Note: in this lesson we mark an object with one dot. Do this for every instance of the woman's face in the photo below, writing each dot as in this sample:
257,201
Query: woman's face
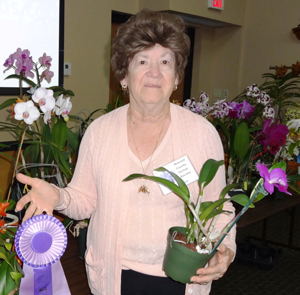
151,75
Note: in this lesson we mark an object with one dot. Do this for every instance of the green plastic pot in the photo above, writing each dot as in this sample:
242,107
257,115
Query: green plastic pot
181,263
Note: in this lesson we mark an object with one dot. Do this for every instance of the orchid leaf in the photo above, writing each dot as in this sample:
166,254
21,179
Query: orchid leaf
72,140
29,82
281,165
226,189
224,128
241,199
211,207
167,183
59,133
7,103
204,205
208,171
179,181
217,212
241,140
259,197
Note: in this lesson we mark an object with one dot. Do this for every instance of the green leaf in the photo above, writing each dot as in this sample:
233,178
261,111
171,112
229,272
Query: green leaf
59,133
72,139
179,181
11,205
16,276
67,221
169,184
217,212
29,82
226,189
8,246
6,259
281,165
7,103
224,128
212,207
241,140
48,155
241,199
291,148
208,171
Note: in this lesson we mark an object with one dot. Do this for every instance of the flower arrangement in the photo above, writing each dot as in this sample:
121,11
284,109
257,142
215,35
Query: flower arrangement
290,151
39,121
248,123
41,116
202,216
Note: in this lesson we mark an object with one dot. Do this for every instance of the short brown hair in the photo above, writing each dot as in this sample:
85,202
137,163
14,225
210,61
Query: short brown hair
143,31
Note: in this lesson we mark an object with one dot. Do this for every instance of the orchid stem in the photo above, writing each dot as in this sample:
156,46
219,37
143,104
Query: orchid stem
15,165
235,221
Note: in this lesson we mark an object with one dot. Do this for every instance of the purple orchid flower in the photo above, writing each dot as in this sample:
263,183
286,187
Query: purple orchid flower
24,63
9,62
276,177
273,136
246,110
233,112
45,60
47,75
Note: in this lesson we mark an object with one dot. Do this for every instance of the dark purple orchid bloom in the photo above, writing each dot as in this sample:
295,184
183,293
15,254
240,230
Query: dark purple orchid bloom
233,112
273,136
241,110
276,177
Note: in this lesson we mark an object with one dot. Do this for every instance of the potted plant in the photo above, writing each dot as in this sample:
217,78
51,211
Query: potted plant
202,216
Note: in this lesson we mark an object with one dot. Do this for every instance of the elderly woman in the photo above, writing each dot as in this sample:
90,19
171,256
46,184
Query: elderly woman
129,220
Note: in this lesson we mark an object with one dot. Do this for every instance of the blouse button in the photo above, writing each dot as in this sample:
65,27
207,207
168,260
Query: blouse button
190,291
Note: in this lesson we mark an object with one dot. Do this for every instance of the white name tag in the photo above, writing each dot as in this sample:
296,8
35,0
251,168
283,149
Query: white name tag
183,168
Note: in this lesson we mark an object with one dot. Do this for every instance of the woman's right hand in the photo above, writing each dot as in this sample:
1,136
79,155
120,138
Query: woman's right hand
43,197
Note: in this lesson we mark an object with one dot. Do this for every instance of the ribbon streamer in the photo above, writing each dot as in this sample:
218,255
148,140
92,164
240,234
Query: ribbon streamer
40,242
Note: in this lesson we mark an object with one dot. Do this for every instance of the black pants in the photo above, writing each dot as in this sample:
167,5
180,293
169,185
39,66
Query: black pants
135,283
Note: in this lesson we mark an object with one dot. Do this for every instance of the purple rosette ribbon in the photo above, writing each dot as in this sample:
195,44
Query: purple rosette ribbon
40,242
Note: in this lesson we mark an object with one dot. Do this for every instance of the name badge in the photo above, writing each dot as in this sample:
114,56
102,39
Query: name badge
183,168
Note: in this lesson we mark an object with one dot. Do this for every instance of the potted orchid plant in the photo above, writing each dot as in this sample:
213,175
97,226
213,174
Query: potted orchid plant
181,263
39,117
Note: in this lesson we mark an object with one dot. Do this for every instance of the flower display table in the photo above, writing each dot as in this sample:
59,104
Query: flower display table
267,208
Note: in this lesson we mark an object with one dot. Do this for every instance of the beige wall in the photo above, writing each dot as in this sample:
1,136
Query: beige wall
231,57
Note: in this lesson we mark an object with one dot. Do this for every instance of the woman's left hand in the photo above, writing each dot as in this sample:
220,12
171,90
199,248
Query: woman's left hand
217,266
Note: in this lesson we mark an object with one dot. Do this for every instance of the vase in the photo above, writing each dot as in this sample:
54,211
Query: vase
181,263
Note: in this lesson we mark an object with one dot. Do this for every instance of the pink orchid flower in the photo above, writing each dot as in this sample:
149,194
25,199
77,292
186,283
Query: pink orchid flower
276,177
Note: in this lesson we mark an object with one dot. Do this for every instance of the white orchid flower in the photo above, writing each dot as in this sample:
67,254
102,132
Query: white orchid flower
26,111
58,104
293,124
44,98
62,106
47,117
